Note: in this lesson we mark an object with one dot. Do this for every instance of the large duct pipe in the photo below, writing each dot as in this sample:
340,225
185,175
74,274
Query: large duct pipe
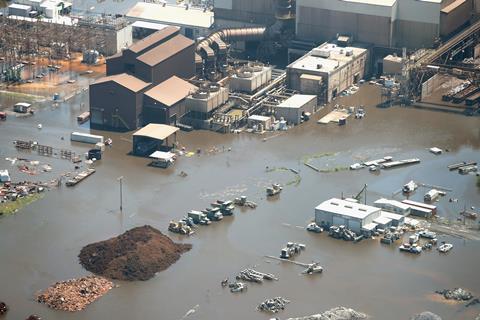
233,34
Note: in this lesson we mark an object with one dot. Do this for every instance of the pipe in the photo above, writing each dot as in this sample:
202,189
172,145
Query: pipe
233,34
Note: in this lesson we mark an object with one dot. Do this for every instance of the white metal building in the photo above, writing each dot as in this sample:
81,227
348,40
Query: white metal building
393,206
327,70
294,107
338,212
193,22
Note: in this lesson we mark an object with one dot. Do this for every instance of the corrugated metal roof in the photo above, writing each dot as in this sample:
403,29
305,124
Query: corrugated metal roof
382,220
452,6
394,203
346,208
149,25
176,15
165,50
171,91
125,80
156,131
154,38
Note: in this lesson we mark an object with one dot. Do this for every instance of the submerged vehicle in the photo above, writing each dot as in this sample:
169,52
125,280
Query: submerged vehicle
313,268
274,190
313,227
427,234
412,248
291,250
409,187
444,248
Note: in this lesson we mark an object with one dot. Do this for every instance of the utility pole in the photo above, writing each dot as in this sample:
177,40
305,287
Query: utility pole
120,179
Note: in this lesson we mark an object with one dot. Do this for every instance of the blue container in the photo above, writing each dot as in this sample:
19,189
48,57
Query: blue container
56,96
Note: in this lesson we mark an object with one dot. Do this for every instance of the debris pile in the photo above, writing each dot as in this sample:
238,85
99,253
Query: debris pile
136,254
473,302
456,294
338,313
273,305
426,315
3,308
34,317
342,232
255,276
76,294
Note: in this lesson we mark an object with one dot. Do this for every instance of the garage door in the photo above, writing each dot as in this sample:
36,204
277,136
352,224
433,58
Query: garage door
354,225
338,221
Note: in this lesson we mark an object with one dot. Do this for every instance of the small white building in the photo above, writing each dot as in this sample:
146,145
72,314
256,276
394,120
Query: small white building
393,206
295,107
256,121
338,212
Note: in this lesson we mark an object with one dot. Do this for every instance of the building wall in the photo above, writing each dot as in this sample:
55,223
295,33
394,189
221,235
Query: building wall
413,34
109,99
181,65
452,21
156,112
250,11
115,66
317,24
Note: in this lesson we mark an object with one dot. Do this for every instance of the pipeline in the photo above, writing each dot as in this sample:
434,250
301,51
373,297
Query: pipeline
233,34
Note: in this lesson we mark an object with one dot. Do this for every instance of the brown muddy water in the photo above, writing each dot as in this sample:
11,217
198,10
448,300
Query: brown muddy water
39,245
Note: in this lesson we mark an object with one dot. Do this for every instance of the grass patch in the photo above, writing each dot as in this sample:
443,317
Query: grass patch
20,95
11,207
295,181
335,169
309,158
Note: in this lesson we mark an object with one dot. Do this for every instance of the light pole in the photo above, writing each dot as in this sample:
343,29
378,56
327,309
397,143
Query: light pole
120,179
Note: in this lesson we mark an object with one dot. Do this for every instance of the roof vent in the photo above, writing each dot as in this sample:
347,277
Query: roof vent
362,209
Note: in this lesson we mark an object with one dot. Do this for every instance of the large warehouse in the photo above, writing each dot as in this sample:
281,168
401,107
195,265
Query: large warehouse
327,70
116,102
390,23
244,12
357,217
157,57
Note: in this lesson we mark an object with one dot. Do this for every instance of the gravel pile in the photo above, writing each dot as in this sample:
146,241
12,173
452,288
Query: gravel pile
134,255
273,305
456,294
338,313
76,294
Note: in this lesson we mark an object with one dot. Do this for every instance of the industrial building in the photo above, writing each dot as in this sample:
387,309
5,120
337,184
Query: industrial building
295,108
165,103
193,22
244,12
157,57
359,218
116,102
393,206
389,23
327,70
337,212
202,103
392,65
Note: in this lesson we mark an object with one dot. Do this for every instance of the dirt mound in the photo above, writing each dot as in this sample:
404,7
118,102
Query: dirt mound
136,254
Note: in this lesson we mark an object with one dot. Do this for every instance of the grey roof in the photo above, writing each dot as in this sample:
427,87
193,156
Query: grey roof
165,50
347,208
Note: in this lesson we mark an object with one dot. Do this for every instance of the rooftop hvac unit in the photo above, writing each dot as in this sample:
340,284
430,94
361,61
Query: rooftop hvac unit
321,53
213,87
349,52
319,66
201,94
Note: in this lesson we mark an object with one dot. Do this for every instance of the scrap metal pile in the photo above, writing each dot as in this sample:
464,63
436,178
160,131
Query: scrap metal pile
342,232
76,294
255,276
338,313
456,294
273,305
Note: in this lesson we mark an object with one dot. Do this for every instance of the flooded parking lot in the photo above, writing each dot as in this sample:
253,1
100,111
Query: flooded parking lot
39,245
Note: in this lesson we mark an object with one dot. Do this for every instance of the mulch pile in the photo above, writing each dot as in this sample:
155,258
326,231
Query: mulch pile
75,294
134,255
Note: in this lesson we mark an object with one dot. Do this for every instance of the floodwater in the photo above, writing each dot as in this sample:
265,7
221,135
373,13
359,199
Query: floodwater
39,245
